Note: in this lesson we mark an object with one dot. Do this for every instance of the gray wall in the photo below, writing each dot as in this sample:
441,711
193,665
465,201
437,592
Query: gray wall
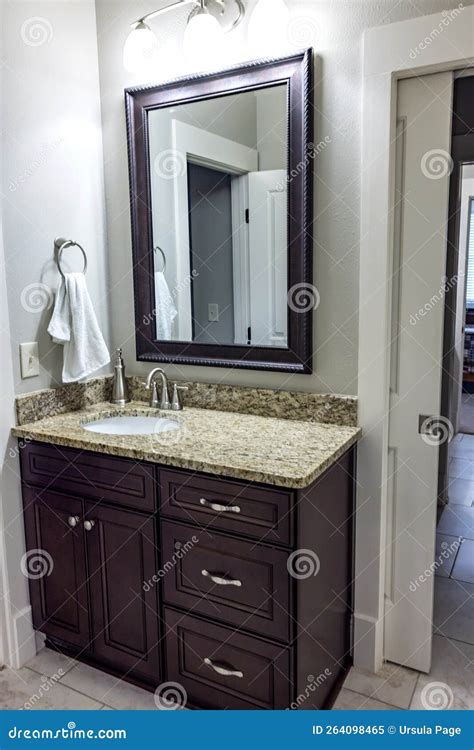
335,30
52,166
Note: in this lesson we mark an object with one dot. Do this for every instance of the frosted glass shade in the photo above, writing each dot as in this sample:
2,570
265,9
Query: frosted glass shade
140,50
203,42
268,28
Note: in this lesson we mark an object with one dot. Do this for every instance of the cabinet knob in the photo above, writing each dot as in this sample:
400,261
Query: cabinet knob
89,525
73,521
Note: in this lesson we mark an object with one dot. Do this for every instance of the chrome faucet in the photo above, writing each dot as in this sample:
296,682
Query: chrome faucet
151,385
176,404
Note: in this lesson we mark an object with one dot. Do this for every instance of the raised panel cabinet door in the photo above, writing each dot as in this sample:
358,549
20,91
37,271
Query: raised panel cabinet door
55,565
122,556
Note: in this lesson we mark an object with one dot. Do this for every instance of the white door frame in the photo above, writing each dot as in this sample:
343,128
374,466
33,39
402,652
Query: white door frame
430,44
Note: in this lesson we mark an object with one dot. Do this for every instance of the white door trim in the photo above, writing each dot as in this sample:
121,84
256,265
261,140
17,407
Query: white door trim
430,44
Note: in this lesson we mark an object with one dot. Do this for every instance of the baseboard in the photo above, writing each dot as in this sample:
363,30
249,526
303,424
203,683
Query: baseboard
368,643
23,641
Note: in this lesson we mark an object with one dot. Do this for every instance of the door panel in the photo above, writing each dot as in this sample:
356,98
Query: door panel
122,554
55,565
424,115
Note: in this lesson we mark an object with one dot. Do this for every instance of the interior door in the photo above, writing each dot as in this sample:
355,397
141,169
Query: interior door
268,257
122,555
55,565
423,170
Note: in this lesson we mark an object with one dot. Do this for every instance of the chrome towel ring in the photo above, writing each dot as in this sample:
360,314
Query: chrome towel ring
61,244
158,248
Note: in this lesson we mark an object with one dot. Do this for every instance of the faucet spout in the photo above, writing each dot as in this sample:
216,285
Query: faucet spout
151,384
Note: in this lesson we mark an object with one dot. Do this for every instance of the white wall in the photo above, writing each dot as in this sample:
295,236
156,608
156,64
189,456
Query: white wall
335,30
53,165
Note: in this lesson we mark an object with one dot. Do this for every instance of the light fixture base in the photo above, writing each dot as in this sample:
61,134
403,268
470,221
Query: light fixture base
229,13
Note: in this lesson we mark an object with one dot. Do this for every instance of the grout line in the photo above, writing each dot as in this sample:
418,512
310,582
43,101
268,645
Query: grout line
59,682
361,708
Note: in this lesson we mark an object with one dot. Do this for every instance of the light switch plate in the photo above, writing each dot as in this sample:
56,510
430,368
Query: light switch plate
29,360
213,312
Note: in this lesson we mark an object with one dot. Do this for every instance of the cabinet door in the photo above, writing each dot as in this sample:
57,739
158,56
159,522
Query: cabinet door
122,555
55,565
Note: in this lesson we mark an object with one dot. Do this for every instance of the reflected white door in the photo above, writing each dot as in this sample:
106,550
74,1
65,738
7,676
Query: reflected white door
423,169
268,257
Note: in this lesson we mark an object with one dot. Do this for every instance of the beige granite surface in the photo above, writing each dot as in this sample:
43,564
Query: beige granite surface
282,452
310,407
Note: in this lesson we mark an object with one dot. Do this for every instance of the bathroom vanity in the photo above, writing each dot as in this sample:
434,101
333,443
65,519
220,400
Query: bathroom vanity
230,577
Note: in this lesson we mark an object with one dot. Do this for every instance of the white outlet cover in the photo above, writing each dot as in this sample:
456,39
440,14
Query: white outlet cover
29,360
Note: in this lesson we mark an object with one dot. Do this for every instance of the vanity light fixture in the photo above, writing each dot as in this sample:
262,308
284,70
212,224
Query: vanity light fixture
207,22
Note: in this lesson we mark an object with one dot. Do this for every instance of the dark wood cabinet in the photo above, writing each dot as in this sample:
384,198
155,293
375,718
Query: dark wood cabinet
240,592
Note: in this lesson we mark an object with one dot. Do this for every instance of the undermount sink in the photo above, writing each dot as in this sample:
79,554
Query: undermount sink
132,425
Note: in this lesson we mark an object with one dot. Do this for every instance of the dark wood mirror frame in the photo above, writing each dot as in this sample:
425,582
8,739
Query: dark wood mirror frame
297,72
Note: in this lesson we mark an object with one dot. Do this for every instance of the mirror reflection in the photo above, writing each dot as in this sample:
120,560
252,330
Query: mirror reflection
218,171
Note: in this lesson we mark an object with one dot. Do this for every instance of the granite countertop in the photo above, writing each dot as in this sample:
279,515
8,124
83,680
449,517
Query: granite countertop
275,451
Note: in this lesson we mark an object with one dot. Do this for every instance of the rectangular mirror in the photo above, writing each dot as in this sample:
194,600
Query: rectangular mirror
220,176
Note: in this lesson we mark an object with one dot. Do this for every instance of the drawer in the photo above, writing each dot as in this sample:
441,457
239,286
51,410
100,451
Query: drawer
242,508
91,475
222,669
236,582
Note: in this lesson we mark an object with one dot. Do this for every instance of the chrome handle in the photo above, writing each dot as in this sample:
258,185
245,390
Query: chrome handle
223,671
73,521
221,581
219,508
89,525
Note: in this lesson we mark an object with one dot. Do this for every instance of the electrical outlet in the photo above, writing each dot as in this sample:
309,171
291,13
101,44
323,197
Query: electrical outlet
29,360
213,312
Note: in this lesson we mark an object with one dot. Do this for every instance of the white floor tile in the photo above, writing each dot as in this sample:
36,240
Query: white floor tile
50,663
463,569
447,549
347,700
393,684
461,468
457,520
454,609
25,689
451,678
109,690
461,492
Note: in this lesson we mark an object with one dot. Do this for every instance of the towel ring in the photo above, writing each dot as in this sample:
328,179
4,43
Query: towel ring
61,245
163,256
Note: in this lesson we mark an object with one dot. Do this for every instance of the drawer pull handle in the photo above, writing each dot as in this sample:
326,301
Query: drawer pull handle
73,521
89,525
219,508
223,671
221,581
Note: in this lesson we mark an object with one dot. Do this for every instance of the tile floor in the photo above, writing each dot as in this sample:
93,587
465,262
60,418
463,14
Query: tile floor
53,681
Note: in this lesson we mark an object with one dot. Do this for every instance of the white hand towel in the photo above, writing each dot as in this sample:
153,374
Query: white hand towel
166,311
74,325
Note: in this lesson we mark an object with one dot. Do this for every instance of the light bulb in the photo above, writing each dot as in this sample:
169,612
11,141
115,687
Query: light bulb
268,28
203,41
141,49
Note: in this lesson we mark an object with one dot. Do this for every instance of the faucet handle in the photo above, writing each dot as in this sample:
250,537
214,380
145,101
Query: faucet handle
177,404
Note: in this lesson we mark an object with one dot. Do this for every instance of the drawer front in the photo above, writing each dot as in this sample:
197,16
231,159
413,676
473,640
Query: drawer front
242,508
237,582
222,669
117,480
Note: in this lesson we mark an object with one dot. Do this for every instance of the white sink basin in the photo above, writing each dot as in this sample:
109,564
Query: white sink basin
132,425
